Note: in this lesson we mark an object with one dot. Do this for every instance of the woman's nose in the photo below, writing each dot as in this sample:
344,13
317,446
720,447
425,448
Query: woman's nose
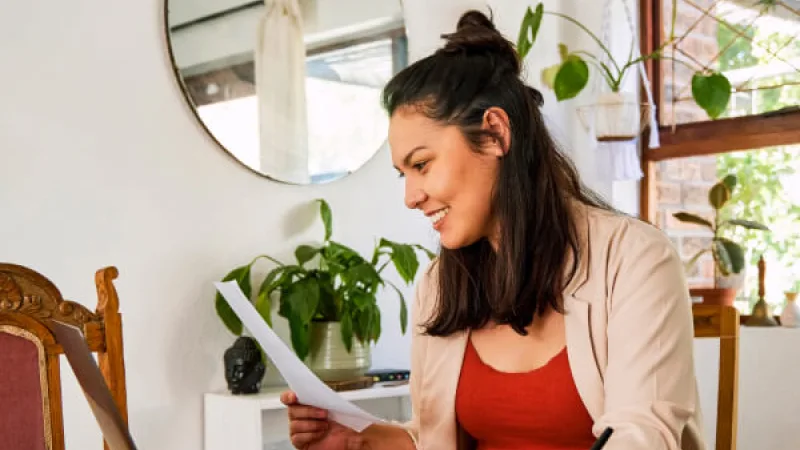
414,197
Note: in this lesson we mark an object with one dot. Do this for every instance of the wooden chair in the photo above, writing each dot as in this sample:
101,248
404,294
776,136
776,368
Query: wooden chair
29,354
722,322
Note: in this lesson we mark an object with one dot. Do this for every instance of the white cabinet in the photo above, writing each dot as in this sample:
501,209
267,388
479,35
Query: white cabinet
259,422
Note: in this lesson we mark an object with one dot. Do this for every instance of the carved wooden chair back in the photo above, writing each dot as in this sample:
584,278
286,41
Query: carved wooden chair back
29,353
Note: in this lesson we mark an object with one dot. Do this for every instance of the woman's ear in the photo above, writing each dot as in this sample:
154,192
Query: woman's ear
496,121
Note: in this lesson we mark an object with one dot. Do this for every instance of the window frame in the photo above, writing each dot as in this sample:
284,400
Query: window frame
774,128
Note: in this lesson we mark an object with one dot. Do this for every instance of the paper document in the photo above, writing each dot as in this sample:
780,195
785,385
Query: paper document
310,390
115,431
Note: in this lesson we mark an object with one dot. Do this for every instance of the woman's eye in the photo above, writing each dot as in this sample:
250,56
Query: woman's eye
420,165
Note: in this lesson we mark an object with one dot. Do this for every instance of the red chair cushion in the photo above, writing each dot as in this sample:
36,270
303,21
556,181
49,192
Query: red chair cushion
21,415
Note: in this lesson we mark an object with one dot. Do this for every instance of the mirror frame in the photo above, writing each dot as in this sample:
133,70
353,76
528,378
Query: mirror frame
392,32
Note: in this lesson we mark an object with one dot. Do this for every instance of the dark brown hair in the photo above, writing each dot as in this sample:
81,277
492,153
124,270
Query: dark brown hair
476,69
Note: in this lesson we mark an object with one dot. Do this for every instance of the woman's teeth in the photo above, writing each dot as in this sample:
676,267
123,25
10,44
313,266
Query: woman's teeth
439,215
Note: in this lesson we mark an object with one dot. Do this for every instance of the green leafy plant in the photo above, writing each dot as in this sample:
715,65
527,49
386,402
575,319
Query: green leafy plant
711,90
729,256
329,283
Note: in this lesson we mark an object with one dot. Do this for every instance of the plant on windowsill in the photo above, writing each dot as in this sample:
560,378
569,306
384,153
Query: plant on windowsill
617,115
729,256
329,297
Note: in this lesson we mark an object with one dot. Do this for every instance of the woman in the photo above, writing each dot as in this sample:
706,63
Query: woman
547,317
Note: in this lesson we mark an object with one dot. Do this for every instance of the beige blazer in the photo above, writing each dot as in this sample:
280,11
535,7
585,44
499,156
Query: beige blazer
629,335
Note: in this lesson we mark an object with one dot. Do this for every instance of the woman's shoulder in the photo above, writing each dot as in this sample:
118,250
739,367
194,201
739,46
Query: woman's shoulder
617,230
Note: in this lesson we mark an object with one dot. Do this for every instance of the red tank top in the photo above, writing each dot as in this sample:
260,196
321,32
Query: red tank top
536,410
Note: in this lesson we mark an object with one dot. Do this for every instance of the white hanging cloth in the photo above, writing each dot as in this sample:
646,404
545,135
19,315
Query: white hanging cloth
619,160
280,74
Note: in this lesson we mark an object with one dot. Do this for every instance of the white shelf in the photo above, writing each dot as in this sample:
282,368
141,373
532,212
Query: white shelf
257,422
269,399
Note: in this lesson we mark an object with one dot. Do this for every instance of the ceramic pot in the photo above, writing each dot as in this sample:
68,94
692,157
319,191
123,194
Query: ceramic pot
715,296
329,359
790,317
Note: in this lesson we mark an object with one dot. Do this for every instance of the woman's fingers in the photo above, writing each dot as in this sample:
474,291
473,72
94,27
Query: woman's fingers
302,412
303,440
288,398
307,426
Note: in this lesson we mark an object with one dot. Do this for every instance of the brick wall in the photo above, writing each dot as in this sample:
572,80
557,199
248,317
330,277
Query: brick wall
701,44
683,184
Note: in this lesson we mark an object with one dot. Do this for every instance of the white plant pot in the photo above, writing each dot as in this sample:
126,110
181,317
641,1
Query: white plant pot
732,281
614,117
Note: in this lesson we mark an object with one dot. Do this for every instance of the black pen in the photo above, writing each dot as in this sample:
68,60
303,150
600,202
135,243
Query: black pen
601,441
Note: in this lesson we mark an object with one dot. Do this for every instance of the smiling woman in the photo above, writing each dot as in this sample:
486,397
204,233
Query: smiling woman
548,317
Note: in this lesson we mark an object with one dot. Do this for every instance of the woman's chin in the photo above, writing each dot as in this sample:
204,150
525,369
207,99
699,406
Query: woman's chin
452,242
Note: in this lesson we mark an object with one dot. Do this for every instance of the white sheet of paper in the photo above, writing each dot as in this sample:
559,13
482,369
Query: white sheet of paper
310,390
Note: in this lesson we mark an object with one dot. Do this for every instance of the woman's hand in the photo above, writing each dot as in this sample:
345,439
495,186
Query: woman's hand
310,429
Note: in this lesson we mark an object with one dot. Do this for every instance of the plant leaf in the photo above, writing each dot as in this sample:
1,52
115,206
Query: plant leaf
730,181
719,195
730,254
229,318
347,331
721,257
692,218
693,260
278,277
749,224
375,324
711,92
405,261
305,253
572,77
529,29
300,334
303,298
403,308
342,254
264,307
327,217
431,255
362,300
549,75
563,52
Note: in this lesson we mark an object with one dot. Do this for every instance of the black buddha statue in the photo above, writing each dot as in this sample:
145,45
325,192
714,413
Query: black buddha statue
244,366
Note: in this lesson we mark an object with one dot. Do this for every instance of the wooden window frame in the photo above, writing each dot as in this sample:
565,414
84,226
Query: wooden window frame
711,137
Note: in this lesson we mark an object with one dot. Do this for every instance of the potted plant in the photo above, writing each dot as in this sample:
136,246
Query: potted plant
329,297
616,116
729,256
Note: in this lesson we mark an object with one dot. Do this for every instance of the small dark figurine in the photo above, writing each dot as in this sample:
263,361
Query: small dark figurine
244,366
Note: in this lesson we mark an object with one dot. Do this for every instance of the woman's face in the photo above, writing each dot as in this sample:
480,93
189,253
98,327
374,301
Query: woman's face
445,178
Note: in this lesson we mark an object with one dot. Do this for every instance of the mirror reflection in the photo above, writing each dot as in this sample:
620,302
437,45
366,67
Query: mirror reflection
290,88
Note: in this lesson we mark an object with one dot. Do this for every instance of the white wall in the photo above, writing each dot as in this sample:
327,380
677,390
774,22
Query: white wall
103,164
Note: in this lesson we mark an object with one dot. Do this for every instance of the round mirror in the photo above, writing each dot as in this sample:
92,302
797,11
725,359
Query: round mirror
290,88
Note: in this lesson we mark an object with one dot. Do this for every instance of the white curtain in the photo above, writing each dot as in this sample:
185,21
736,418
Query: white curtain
280,72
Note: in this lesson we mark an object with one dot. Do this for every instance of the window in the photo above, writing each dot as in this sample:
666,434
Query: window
758,137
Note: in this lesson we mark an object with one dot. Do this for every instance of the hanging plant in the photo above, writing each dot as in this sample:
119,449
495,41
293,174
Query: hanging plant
711,90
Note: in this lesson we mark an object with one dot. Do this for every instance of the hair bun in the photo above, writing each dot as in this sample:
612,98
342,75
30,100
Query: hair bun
476,34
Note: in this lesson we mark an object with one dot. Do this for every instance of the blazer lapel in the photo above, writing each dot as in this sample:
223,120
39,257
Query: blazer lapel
580,352
442,370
